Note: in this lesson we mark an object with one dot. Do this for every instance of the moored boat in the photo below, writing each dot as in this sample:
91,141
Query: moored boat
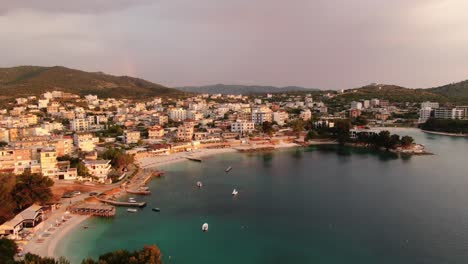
156,209
132,210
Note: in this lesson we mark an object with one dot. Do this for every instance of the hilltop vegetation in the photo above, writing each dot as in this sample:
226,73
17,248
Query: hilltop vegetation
35,80
243,89
392,93
457,92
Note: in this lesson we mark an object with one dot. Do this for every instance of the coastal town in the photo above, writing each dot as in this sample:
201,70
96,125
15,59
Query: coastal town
97,149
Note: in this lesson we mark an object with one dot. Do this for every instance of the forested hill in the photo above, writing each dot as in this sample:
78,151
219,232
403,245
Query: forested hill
34,80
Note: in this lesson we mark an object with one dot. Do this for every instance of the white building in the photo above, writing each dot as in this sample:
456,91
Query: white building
242,127
131,137
427,104
177,114
80,124
356,105
85,141
98,168
448,113
280,117
424,114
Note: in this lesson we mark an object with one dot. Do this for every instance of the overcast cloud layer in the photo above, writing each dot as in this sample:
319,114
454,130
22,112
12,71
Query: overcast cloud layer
314,43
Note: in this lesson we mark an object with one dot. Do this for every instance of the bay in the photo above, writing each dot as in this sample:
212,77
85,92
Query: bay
309,205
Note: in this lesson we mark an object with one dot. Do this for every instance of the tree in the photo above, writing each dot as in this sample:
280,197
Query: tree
297,126
311,135
341,130
147,255
35,259
31,188
82,170
267,128
8,249
7,184
407,141
3,144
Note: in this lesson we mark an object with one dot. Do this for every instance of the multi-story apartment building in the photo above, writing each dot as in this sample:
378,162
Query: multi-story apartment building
261,115
131,137
79,124
356,105
428,104
85,141
243,127
177,114
424,114
98,168
48,161
448,113
155,132
280,117
185,132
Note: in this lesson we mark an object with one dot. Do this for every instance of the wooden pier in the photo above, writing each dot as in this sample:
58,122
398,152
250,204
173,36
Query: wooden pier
194,159
140,192
93,209
127,204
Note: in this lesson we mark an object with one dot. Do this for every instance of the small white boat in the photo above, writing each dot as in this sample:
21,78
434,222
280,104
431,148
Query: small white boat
132,210
234,192
204,227
199,184
228,169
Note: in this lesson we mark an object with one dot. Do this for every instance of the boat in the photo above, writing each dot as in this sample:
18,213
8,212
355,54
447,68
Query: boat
199,184
204,227
156,209
131,200
132,210
228,169
234,192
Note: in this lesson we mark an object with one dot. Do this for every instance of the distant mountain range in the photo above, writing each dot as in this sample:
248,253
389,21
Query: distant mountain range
35,80
243,89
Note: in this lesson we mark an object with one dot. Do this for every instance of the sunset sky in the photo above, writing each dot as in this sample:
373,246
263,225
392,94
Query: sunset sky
327,44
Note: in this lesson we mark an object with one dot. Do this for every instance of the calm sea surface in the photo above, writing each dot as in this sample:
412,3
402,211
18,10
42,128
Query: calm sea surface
316,205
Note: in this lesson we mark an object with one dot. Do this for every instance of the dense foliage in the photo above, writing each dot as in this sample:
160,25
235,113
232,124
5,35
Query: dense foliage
446,125
384,140
19,192
147,255
118,158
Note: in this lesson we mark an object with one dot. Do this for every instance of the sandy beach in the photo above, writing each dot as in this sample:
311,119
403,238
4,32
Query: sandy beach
151,162
45,240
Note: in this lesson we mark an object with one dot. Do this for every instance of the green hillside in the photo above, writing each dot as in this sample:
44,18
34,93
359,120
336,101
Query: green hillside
34,80
392,93
457,92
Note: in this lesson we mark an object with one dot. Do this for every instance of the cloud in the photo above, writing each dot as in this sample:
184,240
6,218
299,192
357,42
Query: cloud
314,43
64,6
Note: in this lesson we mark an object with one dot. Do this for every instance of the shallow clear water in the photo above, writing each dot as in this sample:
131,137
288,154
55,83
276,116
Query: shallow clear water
316,205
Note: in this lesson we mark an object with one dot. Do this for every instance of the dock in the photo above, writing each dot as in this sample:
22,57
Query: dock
194,159
126,204
93,209
138,192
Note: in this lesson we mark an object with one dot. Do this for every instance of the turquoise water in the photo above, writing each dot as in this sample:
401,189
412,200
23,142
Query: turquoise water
316,205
